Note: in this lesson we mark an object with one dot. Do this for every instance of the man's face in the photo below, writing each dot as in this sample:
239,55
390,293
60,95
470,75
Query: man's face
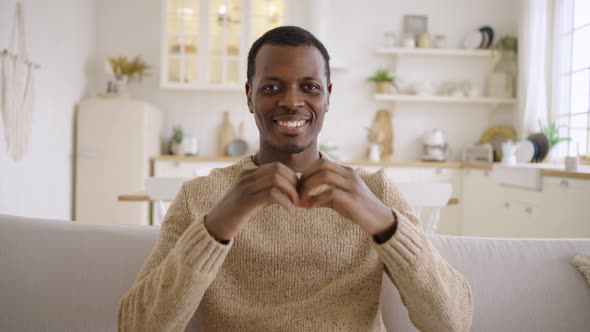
289,96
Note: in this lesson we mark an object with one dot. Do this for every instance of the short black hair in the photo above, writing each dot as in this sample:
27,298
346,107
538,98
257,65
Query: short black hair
286,36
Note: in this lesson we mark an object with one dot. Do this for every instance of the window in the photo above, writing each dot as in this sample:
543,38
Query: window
572,84
205,41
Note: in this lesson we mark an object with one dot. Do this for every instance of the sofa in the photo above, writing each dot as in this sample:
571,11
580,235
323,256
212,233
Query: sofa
69,276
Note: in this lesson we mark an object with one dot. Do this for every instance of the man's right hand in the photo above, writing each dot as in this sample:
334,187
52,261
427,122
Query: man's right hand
254,190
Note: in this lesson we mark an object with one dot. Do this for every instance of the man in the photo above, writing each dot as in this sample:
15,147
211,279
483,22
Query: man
286,239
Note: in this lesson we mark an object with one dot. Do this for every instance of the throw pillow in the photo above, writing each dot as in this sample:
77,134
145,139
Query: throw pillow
582,261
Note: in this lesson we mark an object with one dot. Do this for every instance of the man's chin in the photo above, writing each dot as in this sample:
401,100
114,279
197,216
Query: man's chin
290,148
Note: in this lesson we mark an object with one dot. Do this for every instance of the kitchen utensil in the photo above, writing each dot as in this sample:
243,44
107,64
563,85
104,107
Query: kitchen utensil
489,36
572,163
497,135
238,147
543,144
508,153
525,151
473,40
480,153
435,145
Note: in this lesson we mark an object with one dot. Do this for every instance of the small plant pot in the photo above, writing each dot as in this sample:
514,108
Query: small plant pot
177,149
383,87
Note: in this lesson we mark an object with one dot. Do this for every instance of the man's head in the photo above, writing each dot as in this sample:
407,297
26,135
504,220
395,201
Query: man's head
288,88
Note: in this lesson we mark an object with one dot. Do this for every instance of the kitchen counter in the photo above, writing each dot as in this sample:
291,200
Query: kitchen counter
557,170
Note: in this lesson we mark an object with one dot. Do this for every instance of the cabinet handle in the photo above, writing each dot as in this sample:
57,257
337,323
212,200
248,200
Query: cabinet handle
564,184
529,210
507,205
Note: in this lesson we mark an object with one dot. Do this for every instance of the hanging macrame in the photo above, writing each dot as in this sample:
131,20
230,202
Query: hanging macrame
16,89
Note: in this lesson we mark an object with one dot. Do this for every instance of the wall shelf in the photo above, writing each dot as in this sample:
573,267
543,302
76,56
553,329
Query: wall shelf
434,51
444,99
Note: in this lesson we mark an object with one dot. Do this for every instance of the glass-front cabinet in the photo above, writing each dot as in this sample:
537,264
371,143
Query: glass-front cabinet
205,42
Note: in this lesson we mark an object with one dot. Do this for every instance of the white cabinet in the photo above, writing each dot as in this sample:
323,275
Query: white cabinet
493,210
567,209
205,42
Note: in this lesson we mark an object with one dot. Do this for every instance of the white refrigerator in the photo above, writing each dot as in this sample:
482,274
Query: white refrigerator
115,141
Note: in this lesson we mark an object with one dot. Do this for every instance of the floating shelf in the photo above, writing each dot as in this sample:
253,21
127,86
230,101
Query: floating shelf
444,99
434,51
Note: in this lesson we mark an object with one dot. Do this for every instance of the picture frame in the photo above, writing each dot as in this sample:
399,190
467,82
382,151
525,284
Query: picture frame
415,24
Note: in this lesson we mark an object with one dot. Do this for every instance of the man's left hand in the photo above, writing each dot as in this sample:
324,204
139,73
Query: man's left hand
348,195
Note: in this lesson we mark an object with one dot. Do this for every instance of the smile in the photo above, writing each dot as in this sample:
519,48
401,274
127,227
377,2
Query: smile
291,124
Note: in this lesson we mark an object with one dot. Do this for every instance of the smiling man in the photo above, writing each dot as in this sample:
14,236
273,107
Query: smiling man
286,239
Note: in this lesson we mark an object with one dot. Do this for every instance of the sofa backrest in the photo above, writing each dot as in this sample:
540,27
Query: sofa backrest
69,276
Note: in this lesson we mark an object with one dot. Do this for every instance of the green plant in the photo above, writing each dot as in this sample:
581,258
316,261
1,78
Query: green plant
177,135
552,133
383,75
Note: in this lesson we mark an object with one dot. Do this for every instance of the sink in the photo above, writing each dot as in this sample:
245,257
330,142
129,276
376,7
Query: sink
525,176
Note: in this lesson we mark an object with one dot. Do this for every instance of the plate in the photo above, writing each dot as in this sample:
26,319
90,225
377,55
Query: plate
525,151
489,36
237,148
473,40
496,136
543,144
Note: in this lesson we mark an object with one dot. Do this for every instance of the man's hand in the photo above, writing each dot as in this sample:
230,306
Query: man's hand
254,190
348,195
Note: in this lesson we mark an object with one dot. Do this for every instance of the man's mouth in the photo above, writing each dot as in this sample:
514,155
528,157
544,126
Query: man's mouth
291,127
291,124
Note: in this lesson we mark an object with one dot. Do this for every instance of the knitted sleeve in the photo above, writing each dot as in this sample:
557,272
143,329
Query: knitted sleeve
173,279
438,298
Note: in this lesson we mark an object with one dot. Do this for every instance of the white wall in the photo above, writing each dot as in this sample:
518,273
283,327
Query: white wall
61,36
351,30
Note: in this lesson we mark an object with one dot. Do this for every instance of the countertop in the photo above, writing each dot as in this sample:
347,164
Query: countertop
557,170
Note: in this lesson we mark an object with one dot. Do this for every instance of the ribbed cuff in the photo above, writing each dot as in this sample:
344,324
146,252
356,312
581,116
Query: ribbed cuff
406,244
200,250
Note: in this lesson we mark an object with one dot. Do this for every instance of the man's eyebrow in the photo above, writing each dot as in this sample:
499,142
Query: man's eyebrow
271,78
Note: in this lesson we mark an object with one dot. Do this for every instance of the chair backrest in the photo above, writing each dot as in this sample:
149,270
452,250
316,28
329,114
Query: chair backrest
163,188
427,195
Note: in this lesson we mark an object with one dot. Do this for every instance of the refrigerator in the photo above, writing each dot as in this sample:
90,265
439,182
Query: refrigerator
115,141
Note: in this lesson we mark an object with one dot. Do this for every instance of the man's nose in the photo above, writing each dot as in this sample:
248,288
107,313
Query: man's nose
291,99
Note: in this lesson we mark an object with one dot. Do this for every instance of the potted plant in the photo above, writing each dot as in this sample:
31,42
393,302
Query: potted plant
125,71
384,80
552,133
176,143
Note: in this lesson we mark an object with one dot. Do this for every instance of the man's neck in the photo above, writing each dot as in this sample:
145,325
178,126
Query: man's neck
297,162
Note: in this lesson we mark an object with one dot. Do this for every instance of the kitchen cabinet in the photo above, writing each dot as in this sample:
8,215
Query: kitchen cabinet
567,211
205,42
494,210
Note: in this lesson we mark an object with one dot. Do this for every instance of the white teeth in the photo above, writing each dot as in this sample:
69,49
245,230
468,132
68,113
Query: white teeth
291,124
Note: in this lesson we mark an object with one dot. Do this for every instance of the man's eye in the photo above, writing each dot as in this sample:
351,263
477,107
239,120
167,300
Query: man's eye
312,87
270,88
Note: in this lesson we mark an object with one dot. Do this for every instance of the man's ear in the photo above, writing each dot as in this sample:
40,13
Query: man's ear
249,96
329,94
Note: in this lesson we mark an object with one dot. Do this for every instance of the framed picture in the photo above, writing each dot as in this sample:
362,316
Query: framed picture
415,24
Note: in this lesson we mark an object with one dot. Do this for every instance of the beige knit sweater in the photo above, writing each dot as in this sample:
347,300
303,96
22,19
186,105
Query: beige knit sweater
308,271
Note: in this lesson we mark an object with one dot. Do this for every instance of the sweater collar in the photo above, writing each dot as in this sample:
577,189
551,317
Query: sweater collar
248,161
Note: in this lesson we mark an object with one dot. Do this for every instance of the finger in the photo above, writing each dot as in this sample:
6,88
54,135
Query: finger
280,168
274,196
324,177
277,181
329,198
323,164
